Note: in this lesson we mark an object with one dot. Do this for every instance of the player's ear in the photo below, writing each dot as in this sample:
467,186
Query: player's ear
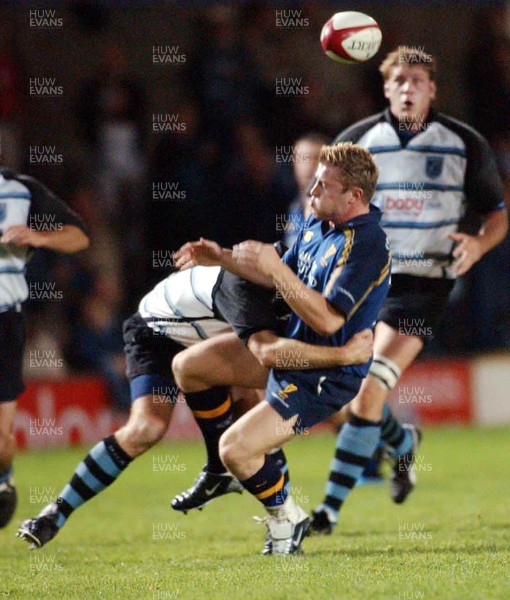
386,89
356,194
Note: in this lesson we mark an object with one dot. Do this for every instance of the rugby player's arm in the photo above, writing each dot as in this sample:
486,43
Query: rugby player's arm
208,253
228,263
493,229
282,353
470,249
68,240
309,305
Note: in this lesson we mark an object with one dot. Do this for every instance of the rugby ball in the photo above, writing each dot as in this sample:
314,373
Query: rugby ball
351,37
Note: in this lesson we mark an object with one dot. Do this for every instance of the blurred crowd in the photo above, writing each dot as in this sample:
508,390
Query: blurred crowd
216,163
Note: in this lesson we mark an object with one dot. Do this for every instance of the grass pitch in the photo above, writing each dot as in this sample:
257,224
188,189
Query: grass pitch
451,539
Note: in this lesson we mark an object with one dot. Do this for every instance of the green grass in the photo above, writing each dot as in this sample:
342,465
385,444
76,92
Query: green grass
450,540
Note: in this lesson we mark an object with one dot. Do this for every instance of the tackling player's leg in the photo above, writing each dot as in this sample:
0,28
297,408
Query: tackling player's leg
220,360
148,421
396,352
148,359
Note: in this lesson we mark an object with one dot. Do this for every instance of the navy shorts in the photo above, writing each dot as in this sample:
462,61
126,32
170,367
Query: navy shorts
12,344
310,395
149,358
414,304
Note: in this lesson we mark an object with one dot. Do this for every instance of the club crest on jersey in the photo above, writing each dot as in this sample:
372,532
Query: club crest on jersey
329,253
434,166
3,211
284,394
308,236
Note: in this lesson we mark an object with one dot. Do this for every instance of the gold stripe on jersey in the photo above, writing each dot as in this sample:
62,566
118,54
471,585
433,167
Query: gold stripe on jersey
349,242
378,281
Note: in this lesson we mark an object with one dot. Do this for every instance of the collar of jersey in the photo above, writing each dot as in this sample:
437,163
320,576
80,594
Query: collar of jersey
374,216
393,121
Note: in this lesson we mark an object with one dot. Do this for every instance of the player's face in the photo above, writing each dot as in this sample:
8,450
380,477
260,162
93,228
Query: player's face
306,159
330,200
410,92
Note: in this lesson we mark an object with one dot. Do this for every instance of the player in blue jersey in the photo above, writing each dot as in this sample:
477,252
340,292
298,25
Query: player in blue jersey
442,203
335,279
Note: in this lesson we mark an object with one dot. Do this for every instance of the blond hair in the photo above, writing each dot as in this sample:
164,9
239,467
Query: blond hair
408,55
355,165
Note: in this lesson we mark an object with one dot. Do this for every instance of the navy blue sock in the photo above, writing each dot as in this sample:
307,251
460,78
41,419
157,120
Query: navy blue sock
281,461
356,444
212,410
268,484
100,468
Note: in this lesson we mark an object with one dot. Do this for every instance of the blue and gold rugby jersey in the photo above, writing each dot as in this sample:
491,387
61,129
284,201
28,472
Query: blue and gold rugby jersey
350,266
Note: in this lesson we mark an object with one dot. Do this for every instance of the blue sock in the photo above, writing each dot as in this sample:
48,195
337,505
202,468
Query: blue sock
398,438
267,484
100,468
356,443
281,461
6,475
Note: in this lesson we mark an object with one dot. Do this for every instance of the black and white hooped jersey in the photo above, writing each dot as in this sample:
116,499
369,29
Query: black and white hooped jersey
25,201
181,306
442,181
201,302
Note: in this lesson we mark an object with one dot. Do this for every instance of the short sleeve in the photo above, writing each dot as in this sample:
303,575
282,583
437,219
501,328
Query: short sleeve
46,207
483,185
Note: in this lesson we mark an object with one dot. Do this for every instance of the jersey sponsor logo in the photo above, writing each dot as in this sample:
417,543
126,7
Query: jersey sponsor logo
311,282
305,261
308,236
434,166
409,205
3,211
284,394
329,253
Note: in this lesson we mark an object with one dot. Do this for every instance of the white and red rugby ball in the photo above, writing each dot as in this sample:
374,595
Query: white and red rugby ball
351,37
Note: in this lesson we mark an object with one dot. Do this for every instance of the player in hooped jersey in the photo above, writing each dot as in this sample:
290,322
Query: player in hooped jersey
31,217
335,279
203,303
437,180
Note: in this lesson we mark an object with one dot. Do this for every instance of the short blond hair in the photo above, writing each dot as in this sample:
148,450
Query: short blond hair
408,55
355,165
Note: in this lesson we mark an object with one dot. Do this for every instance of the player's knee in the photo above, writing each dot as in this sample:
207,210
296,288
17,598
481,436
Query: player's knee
182,366
145,432
232,452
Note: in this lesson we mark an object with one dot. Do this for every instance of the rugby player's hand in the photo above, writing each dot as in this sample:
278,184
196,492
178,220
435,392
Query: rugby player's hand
21,235
468,251
256,256
360,347
204,252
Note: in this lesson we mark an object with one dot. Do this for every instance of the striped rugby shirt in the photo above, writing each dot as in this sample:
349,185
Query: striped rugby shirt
181,306
439,182
202,302
25,201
